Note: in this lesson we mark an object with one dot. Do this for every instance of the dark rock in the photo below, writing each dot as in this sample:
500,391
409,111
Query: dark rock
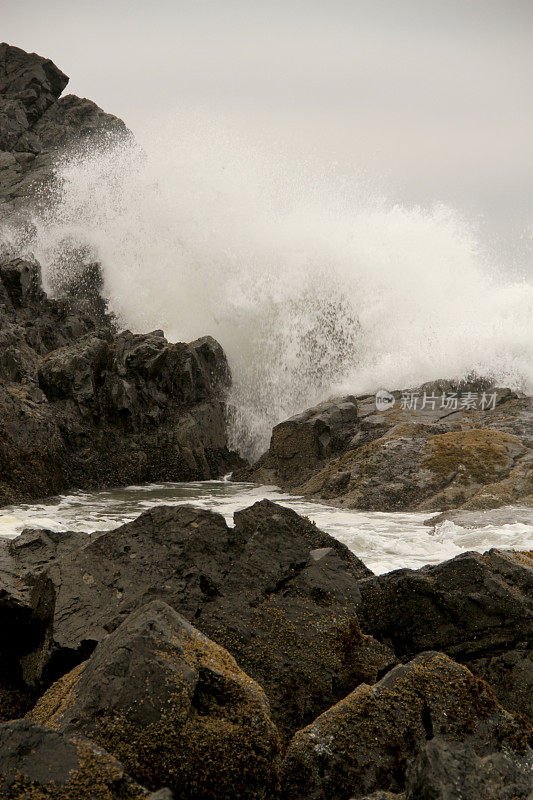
36,126
367,741
29,85
173,707
447,770
25,606
353,454
40,764
510,674
275,591
85,407
476,608
22,281
467,607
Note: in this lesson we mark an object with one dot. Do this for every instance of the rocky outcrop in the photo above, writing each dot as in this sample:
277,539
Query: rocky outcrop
288,626
431,709
83,406
472,452
476,608
173,707
276,592
36,123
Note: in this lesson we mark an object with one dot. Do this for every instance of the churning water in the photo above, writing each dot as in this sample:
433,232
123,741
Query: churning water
384,541
313,283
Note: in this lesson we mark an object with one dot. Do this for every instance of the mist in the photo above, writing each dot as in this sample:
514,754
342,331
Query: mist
428,101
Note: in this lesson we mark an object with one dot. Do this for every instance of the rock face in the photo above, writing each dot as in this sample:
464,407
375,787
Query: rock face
476,608
350,453
35,123
173,707
83,406
368,741
276,592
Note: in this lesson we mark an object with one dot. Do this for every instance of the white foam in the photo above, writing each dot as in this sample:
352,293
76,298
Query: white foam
384,541
312,282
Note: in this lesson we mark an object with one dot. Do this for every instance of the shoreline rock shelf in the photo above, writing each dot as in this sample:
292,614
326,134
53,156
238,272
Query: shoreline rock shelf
348,453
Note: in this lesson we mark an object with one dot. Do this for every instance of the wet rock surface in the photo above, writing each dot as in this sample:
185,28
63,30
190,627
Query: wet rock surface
476,453
37,124
275,591
83,406
295,649
477,608
40,764
173,707
368,741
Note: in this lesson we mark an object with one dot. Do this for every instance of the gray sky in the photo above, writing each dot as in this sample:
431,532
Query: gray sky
433,97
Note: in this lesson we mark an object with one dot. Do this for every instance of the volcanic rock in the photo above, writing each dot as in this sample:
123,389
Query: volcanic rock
475,454
368,741
173,707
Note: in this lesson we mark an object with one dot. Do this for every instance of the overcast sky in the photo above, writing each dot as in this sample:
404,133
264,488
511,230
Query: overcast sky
431,96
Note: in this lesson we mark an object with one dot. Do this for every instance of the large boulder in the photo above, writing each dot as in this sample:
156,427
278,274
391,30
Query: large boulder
173,707
476,608
85,407
40,764
445,770
369,740
436,447
275,591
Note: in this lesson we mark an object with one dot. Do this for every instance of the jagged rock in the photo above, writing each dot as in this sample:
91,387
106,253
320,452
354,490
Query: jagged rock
404,458
172,706
367,741
275,591
36,125
29,85
24,606
82,406
477,608
510,674
40,764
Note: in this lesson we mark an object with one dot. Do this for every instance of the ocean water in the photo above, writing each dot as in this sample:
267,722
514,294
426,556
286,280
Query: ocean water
382,540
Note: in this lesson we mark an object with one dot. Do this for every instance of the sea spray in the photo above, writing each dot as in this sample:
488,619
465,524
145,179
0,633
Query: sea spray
313,284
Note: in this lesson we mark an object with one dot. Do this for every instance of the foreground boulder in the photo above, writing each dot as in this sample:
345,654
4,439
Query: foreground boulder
173,707
445,769
476,608
369,740
437,447
275,591
40,764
